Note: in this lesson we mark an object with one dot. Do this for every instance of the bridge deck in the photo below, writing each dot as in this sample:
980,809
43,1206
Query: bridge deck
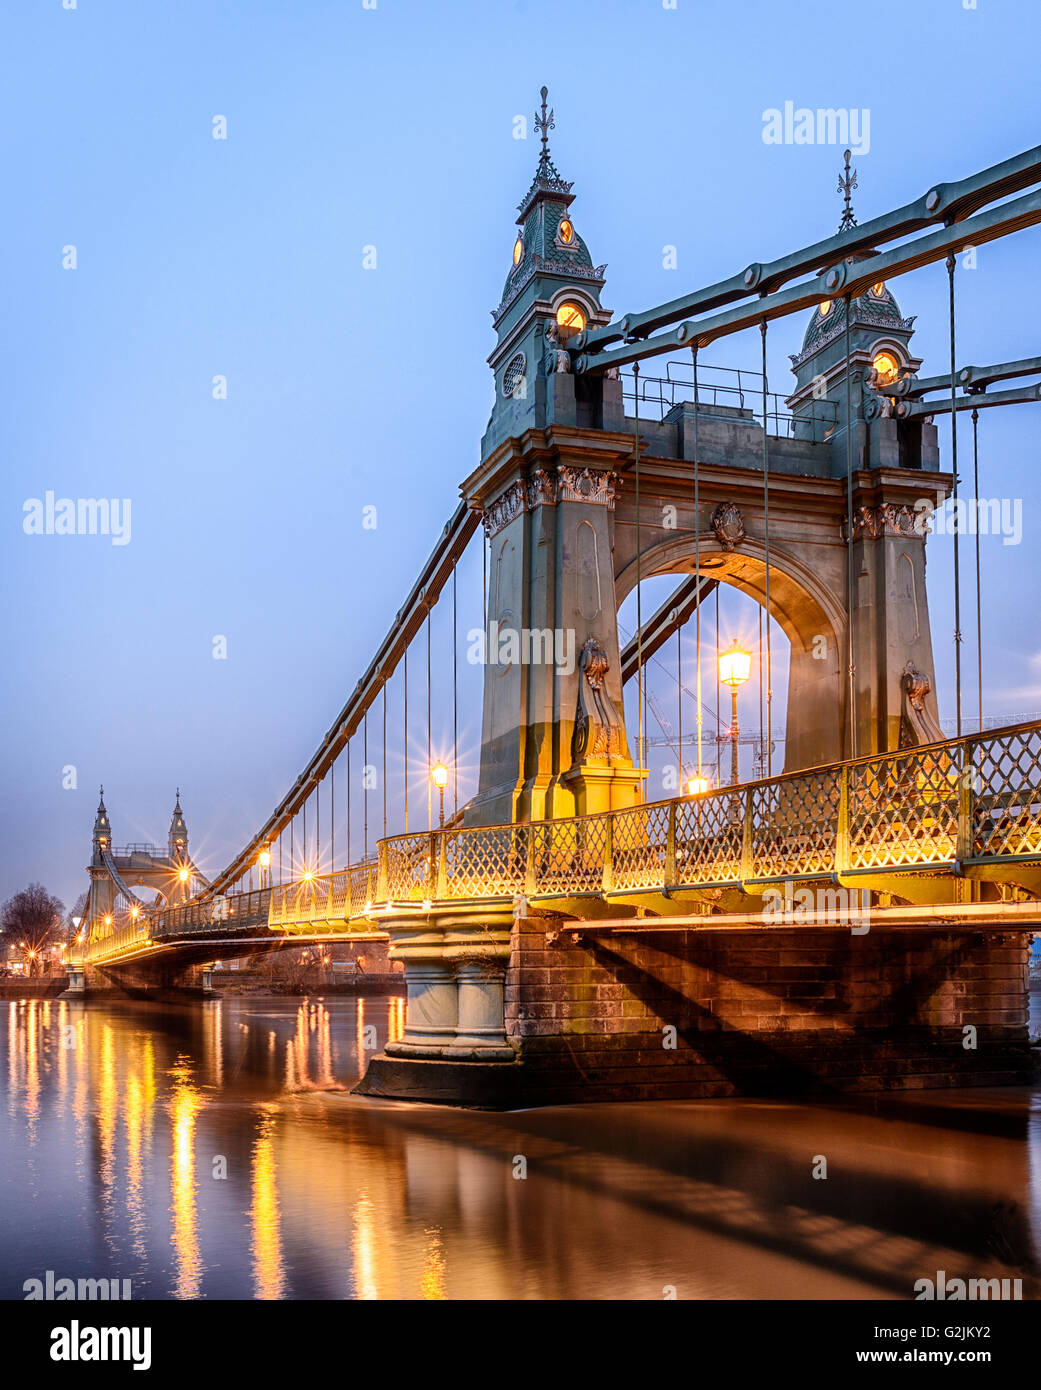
924,824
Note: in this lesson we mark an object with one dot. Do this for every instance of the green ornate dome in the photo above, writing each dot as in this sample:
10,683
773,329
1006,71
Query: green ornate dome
877,307
543,243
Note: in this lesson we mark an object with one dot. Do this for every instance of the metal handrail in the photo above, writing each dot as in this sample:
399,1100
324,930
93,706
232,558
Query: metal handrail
930,807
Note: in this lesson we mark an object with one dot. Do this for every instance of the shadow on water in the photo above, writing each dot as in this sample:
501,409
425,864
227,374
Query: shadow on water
211,1151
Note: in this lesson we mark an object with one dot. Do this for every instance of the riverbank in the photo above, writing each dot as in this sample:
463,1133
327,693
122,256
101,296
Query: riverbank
47,988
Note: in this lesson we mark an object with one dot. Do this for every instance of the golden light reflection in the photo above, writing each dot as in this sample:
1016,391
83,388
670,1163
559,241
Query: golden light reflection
363,1246
134,1115
362,1055
396,1019
12,1056
32,1073
432,1280
185,1105
268,1270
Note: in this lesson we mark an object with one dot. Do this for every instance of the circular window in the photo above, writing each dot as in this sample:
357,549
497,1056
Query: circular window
886,365
567,232
879,290
518,251
570,320
513,376
824,308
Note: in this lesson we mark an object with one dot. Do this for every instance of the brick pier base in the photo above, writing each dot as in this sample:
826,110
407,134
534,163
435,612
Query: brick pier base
672,1014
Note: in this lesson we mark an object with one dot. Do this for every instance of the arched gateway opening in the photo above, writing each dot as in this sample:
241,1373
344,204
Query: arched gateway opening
812,709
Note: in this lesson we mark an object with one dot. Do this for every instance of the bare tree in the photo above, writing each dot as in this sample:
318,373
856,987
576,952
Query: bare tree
79,909
30,921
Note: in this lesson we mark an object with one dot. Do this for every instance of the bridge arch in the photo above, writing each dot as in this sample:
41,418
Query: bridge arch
807,611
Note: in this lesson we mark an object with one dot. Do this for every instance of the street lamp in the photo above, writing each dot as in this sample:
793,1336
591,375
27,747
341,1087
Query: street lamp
696,786
735,665
440,776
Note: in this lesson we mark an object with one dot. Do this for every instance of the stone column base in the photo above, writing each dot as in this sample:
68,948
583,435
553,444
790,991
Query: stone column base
479,1084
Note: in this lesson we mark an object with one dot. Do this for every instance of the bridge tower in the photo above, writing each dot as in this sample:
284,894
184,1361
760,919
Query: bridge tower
177,840
557,490
101,895
554,740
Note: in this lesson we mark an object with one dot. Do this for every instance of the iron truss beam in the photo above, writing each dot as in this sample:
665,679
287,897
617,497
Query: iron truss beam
1021,395
974,379
842,279
673,613
945,203
409,620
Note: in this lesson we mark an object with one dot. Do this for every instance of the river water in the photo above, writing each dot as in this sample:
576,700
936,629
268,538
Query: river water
213,1151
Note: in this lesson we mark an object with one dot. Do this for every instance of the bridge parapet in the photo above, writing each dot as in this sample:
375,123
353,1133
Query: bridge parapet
970,807
923,823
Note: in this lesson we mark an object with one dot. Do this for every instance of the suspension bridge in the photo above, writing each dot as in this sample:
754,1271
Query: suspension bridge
561,920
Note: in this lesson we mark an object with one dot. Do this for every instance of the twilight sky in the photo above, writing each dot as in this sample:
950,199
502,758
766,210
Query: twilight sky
393,127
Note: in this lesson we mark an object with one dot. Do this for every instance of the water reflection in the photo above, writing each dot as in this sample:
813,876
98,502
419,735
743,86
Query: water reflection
214,1151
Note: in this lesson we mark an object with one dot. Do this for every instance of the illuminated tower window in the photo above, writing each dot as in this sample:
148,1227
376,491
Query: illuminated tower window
518,251
824,308
567,232
887,367
879,289
570,320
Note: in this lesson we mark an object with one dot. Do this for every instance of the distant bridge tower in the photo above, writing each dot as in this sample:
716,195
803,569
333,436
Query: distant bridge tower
177,840
115,873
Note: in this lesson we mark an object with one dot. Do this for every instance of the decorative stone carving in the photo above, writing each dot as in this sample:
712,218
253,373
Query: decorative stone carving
876,403
545,488
918,724
501,512
598,732
916,685
539,488
887,519
560,358
728,525
586,485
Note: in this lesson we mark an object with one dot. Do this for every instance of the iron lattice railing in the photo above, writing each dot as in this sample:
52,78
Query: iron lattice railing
970,802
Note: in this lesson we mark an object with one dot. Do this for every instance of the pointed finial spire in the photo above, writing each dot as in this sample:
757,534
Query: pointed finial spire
847,183
545,124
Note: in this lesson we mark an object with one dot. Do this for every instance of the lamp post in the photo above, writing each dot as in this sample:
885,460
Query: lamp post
264,864
440,778
735,665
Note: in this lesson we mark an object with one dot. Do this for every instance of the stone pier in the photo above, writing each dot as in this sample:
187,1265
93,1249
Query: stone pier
539,1009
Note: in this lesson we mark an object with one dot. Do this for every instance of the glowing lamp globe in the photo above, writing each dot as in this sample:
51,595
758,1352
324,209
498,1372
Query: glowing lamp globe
735,666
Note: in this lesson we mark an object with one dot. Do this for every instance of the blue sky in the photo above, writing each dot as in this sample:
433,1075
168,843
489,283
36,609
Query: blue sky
391,127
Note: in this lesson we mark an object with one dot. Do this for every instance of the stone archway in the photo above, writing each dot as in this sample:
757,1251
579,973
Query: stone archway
809,614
